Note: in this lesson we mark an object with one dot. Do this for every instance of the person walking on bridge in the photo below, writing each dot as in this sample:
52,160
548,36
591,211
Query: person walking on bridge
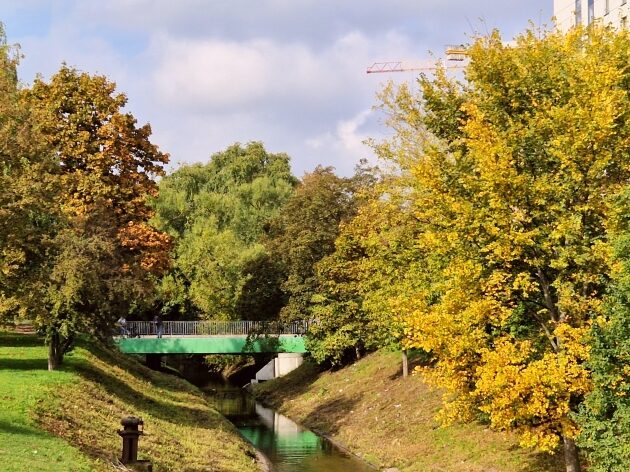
159,326
122,325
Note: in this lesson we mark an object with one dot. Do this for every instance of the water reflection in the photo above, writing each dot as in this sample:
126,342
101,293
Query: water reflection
290,447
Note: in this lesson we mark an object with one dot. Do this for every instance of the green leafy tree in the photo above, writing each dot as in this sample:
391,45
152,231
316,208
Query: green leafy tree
364,285
605,415
218,214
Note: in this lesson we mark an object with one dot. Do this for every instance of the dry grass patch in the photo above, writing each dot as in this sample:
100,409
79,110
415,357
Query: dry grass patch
390,421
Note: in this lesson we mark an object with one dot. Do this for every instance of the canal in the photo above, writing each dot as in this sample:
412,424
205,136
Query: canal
288,446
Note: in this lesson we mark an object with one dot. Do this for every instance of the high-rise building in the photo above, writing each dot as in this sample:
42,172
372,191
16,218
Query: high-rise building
569,13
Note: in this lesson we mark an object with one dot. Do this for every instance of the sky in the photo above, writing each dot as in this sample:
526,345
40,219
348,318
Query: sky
289,73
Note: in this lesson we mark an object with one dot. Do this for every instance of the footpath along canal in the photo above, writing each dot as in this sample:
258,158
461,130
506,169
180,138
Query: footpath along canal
288,446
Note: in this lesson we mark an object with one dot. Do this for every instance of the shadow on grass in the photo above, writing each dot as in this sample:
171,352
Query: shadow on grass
330,416
20,340
23,364
135,399
13,429
543,461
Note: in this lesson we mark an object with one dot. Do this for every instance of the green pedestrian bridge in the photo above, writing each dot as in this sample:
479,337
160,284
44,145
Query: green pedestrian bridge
213,337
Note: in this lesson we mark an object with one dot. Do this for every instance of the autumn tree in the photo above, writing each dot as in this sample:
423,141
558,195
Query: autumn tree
304,232
102,255
514,171
217,213
360,283
13,207
28,186
357,282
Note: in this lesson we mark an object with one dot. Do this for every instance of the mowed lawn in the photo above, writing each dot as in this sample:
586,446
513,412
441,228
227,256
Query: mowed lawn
83,403
25,382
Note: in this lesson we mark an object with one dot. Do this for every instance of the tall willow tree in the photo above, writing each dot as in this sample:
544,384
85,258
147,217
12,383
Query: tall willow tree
513,174
217,213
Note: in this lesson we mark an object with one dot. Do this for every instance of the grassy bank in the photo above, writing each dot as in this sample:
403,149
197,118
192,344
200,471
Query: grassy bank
390,421
67,420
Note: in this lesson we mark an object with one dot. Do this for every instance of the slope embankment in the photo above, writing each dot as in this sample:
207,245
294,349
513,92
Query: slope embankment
67,420
390,421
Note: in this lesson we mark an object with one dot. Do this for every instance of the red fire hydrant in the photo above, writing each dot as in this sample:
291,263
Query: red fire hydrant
132,429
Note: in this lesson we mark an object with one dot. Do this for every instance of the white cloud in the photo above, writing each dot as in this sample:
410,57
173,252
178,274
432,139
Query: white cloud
44,54
214,75
311,103
349,136
348,139
208,73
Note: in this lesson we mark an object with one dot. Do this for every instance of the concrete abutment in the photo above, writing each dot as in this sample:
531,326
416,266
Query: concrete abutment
281,365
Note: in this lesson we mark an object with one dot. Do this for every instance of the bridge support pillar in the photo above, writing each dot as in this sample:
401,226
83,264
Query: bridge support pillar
286,362
281,365
153,361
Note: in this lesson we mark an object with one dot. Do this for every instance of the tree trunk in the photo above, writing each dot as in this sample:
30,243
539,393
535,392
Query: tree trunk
405,363
571,457
55,354
57,347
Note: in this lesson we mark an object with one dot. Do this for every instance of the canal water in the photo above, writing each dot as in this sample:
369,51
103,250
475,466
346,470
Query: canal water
289,446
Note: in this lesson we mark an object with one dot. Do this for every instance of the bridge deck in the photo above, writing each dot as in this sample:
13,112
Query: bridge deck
212,337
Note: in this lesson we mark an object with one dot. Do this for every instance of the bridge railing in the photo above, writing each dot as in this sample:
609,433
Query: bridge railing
216,328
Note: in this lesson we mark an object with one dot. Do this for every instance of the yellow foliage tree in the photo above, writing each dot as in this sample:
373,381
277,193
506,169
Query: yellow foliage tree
511,175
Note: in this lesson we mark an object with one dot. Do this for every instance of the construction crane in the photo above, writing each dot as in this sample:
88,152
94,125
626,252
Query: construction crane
455,54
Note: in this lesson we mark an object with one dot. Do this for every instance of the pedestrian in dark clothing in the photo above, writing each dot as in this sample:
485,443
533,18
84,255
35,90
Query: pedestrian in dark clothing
159,326
122,325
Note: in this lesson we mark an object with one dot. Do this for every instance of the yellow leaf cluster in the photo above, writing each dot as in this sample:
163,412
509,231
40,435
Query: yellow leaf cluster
520,390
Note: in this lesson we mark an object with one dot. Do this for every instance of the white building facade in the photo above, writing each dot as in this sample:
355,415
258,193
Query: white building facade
570,13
